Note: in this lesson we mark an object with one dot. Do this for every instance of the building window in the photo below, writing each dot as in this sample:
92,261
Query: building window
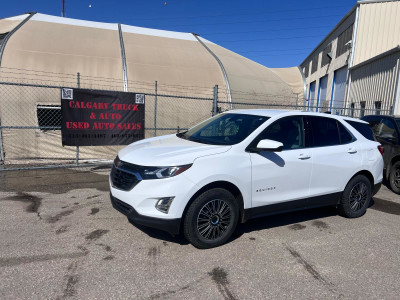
306,68
314,64
362,109
378,106
343,41
325,58
49,117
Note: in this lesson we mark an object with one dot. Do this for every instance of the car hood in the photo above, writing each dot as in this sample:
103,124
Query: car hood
167,150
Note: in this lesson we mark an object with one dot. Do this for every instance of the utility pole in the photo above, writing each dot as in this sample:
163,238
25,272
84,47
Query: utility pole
62,8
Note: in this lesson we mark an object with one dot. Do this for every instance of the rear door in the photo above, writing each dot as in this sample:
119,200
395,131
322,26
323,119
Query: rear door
335,158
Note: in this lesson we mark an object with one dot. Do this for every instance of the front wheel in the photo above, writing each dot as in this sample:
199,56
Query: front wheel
356,197
211,219
394,177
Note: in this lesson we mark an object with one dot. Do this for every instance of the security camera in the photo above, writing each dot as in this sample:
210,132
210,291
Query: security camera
349,43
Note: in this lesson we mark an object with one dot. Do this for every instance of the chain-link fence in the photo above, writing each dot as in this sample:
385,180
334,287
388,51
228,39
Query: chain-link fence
30,117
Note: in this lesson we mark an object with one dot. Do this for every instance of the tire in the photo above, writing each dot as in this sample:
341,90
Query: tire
394,177
211,219
356,197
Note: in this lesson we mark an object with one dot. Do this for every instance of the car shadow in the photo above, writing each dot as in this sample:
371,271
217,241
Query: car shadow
253,225
281,220
161,235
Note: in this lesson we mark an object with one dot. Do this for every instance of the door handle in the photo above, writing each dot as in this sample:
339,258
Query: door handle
304,156
352,151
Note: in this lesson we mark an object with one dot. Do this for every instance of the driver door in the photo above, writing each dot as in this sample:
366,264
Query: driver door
280,177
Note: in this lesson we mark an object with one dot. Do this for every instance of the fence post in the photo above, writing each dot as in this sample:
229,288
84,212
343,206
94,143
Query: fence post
155,109
78,83
2,157
215,101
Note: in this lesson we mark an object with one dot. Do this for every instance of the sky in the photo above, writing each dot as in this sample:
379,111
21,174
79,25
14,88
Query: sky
272,33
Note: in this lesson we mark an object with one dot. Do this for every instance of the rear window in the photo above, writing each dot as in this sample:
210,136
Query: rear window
362,128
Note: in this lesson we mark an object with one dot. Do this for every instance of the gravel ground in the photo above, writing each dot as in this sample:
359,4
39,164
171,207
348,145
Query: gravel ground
61,238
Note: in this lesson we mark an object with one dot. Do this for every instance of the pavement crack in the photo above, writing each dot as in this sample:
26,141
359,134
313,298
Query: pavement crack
162,295
312,270
220,277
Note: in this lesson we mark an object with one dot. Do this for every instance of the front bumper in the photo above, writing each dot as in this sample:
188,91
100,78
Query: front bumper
170,225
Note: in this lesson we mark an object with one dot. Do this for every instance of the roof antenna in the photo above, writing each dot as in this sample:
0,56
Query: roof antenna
63,8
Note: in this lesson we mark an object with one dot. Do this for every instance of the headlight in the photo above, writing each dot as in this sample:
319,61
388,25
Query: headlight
163,172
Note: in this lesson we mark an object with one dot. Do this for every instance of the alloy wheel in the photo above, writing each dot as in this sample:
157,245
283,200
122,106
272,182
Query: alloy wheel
213,219
358,196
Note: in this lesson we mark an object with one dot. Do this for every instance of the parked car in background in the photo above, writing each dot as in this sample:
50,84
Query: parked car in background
244,164
386,130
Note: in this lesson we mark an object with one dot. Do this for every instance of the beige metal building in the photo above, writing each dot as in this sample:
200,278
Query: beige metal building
40,49
355,69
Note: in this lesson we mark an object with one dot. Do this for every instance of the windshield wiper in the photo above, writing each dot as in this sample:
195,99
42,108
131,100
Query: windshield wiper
181,135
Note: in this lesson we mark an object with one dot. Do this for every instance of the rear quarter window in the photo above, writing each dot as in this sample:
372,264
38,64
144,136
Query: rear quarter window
362,128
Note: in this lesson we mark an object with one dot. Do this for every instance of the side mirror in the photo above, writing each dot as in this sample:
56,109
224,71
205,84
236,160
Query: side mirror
269,145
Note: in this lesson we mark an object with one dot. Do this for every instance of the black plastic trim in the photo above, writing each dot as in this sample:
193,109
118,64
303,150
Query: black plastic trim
291,206
169,225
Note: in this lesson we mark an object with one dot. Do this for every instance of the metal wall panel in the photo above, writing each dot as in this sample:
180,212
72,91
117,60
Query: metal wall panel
378,29
375,81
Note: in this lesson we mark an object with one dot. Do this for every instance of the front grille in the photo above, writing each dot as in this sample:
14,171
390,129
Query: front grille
123,180
121,206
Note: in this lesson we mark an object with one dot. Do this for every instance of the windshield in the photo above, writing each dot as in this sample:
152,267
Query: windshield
224,129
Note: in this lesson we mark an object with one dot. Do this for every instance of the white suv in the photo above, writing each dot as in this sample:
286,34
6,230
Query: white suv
244,164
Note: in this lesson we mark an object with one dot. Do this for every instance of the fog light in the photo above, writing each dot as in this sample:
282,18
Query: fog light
163,204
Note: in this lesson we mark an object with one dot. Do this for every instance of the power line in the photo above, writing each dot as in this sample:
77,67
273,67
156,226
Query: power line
272,39
245,14
266,31
258,21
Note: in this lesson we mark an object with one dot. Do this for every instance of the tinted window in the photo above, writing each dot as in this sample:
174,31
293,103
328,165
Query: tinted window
345,135
289,131
386,129
362,128
224,129
373,122
324,131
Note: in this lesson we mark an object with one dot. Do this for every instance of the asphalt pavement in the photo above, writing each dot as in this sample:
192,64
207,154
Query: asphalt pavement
61,239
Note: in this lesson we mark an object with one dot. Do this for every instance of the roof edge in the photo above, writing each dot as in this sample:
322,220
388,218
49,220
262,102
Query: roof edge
376,57
330,32
341,22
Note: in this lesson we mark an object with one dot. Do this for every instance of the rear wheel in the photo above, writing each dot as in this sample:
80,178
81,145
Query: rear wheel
394,177
356,197
211,219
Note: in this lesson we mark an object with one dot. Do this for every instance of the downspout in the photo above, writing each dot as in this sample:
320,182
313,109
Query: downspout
228,89
123,57
353,45
2,47
397,97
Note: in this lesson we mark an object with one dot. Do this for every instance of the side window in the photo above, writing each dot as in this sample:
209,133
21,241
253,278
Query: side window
363,128
345,135
289,131
324,131
386,130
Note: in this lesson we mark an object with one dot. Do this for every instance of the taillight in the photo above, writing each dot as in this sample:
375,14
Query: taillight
381,149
